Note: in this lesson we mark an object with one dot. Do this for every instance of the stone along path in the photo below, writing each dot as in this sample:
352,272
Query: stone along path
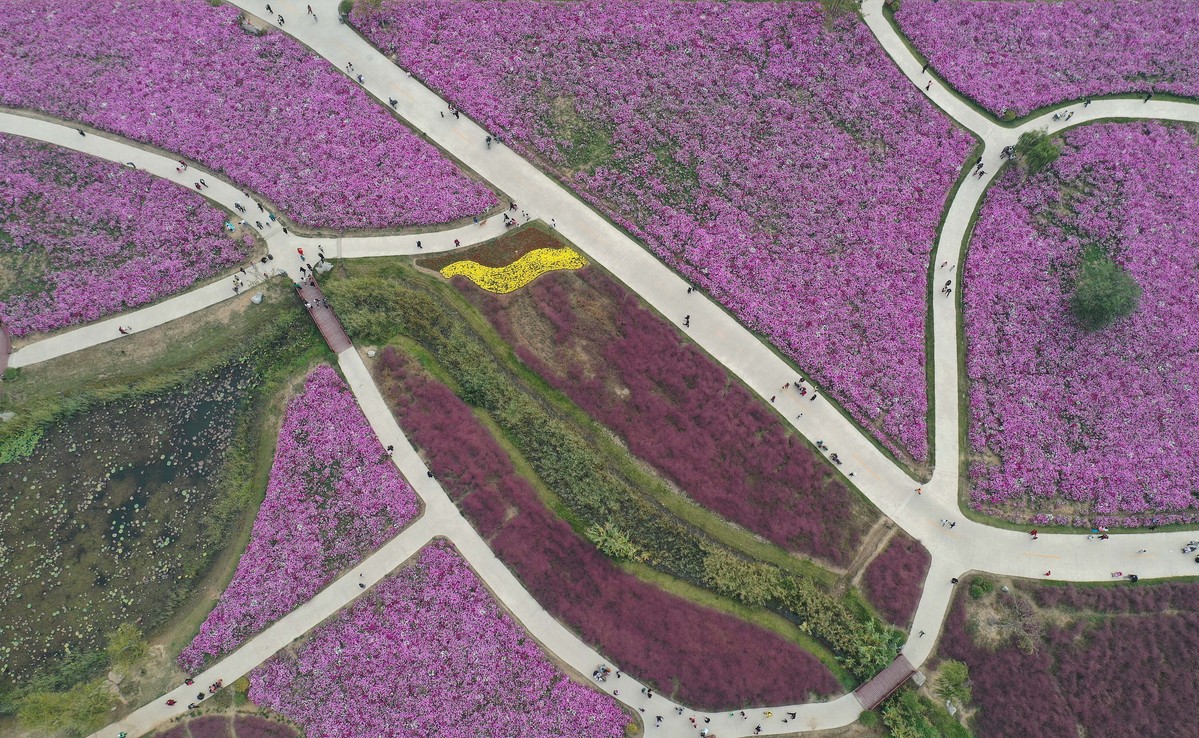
967,546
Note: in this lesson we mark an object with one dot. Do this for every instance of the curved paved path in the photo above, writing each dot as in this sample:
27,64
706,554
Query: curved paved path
968,546
223,194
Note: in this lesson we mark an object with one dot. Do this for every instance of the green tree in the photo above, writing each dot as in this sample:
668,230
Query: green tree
953,682
1036,150
1103,291
903,714
979,587
125,645
876,647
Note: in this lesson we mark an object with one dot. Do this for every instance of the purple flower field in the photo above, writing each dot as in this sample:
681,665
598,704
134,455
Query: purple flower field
81,238
429,653
1021,56
333,495
273,117
791,171
1075,427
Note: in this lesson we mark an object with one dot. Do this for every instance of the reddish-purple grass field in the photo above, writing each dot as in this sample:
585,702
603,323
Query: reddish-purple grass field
669,642
677,409
894,580
1121,667
211,726
218,726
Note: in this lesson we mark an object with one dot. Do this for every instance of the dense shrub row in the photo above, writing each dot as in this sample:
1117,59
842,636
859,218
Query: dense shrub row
663,639
894,580
676,409
1100,676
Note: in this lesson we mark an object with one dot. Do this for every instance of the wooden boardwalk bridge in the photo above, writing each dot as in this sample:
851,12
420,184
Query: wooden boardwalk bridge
884,683
326,321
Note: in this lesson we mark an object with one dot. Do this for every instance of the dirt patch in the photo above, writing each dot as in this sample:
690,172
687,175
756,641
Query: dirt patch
501,251
872,545
999,618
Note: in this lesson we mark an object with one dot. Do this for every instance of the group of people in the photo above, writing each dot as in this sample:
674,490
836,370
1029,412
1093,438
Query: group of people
212,689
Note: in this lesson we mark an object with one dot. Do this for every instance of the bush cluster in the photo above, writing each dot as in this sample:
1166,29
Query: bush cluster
908,714
1104,291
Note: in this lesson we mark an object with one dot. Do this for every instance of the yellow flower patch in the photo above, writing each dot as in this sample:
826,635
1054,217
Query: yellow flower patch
532,265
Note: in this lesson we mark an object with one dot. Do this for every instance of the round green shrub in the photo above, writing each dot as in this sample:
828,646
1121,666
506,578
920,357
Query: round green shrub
1103,291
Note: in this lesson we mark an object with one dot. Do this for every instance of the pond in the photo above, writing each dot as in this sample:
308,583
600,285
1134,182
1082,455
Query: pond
106,522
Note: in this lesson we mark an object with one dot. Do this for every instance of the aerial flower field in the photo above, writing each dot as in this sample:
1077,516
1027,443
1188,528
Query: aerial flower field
1063,660
333,495
428,652
1074,426
1020,56
81,237
789,170
225,726
256,106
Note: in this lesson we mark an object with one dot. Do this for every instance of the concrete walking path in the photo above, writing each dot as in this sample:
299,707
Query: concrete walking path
552,634
141,319
713,329
280,635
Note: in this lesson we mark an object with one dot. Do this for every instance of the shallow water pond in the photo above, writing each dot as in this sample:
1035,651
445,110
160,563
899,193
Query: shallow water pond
106,522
